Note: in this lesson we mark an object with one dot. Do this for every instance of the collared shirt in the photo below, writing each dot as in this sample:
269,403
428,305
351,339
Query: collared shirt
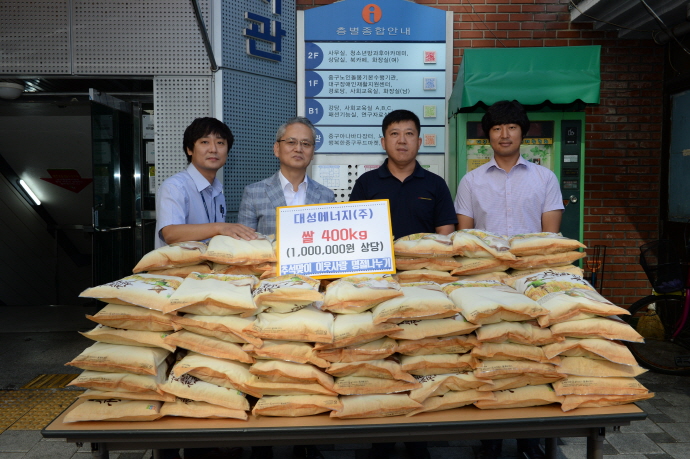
292,197
188,198
508,203
419,204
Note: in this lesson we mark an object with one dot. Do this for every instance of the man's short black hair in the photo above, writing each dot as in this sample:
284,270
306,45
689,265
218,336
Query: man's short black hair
505,112
396,116
201,127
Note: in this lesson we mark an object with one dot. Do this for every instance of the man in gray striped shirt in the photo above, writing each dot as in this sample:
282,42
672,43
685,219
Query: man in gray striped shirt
509,195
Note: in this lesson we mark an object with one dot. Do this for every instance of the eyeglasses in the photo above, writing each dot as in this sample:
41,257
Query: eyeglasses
292,143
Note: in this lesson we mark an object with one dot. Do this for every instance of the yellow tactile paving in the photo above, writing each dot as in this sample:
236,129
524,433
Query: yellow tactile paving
33,409
50,381
40,415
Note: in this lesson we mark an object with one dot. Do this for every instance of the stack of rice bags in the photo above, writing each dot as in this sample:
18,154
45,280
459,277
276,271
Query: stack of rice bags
210,329
371,310
598,369
126,366
516,347
288,376
510,339
211,376
435,344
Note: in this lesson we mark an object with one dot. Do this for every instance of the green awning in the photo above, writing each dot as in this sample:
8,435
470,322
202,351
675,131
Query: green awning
532,76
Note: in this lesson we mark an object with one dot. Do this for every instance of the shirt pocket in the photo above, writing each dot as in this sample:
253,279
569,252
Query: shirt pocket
422,208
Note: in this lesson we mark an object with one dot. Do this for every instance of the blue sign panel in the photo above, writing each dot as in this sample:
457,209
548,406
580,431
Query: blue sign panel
378,20
366,58
372,56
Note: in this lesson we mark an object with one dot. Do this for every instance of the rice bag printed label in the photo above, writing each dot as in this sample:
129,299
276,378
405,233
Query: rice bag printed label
451,287
433,286
234,279
286,281
372,281
445,239
546,285
424,245
190,245
495,241
159,284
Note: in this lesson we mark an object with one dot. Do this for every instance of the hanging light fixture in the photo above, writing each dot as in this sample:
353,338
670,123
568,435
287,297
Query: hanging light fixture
10,90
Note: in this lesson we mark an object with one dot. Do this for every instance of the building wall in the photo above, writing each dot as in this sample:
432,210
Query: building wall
623,133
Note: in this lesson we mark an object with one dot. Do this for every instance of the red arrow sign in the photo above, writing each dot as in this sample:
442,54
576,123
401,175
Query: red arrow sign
68,179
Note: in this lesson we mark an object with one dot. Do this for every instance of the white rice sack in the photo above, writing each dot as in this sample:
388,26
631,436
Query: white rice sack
473,243
422,300
592,348
174,255
290,351
542,243
511,351
521,397
471,266
565,296
500,369
291,372
424,245
487,302
115,410
353,329
146,290
379,349
191,409
424,275
445,345
132,318
436,264
118,358
221,372
143,338
598,327
451,400
582,366
307,325
192,388
288,293
295,405
214,295
374,406
365,385
226,328
437,364
384,369
230,251
595,401
587,385
355,294
516,332
417,329
209,346
437,385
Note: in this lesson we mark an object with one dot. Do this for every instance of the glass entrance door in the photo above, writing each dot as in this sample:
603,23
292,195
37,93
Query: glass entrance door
113,143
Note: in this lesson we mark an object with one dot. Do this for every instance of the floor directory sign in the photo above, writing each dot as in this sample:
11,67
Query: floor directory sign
362,59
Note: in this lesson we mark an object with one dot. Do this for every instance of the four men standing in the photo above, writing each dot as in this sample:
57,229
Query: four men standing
509,195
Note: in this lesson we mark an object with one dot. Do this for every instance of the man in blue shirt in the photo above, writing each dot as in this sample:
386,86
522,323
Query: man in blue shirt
190,205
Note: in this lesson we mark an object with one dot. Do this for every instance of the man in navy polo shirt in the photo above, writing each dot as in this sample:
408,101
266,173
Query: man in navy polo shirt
420,201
